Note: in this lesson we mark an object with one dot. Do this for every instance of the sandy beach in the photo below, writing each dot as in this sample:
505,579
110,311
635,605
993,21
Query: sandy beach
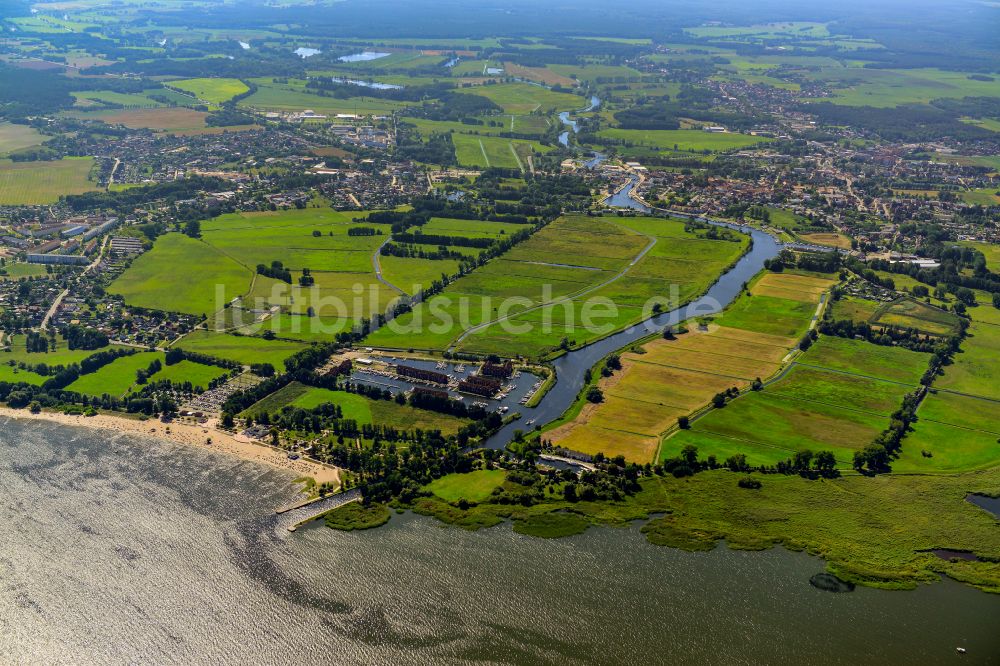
190,435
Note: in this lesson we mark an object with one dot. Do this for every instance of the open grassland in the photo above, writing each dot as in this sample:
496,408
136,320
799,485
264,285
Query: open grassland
578,278
858,357
983,196
62,355
362,409
990,251
213,91
471,486
545,75
177,120
976,368
470,228
953,433
837,397
684,140
35,183
676,266
828,239
490,151
859,86
669,379
288,236
910,313
785,317
10,373
15,137
14,271
151,281
240,348
524,98
198,374
293,97
116,378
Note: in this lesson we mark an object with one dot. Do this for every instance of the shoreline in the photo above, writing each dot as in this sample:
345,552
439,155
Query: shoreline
189,435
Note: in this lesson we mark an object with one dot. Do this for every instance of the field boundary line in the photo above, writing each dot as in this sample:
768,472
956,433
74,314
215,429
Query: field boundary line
485,156
857,374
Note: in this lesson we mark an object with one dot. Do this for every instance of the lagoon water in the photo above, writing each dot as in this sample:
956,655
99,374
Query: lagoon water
118,550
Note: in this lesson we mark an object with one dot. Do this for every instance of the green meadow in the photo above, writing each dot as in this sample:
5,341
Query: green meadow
34,183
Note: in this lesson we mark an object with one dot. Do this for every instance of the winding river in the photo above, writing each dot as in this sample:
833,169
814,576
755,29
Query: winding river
571,367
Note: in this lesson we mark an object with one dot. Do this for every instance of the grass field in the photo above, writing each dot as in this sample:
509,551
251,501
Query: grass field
829,240
472,486
294,97
33,183
524,98
116,378
683,140
671,378
213,91
151,280
959,432
242,349
976,370
837,396
910,313
357,407
983,196
859,86
862,358
15,137
178,120
12,374
62,355
490,151
554,283
198,374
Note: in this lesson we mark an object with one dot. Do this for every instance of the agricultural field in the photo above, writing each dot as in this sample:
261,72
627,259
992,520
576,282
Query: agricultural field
213,91
524,98
954,433
14,375
294,98
675,266
976,368
17,137
683,140
471,486
362,409
819,404
910,313
34,183
489,151
839,241
984,196
859,86
62,355
172,120
620,262
149,282
669,379
240,348
116,378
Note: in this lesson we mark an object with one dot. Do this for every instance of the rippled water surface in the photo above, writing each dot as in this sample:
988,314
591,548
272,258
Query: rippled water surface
119,550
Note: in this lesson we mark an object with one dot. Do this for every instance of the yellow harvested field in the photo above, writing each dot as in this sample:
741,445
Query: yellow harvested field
591,439
802,288
671,379
830,240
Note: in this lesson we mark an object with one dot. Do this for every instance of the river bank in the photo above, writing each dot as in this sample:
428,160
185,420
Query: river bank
204,437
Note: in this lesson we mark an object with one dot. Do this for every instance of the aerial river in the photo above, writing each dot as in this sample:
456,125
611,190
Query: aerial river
123,550
571,367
